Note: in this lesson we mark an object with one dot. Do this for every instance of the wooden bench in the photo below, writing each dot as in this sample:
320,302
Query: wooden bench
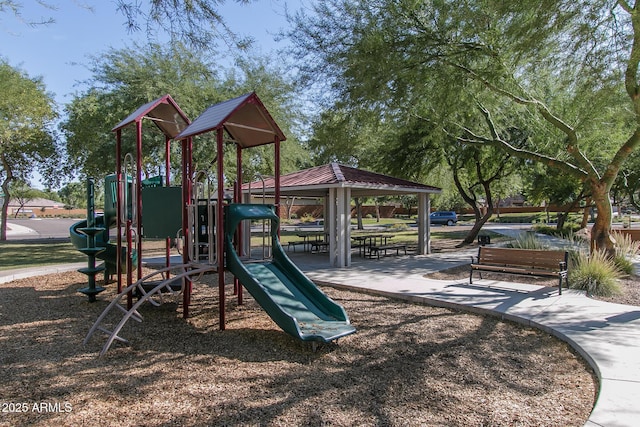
383,248
529,262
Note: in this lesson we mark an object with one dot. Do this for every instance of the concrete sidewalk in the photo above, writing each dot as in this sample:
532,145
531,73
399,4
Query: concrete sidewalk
22,273
607,335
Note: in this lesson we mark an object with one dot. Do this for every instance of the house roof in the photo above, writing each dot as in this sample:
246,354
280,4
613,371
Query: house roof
244,118
38,202
164,112
316,181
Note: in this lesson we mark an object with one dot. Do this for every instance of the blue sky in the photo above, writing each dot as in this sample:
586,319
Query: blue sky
59,52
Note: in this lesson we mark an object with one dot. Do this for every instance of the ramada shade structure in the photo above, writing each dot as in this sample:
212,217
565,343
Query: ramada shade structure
337,184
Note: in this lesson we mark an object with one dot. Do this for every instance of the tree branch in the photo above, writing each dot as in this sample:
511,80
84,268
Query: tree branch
572,138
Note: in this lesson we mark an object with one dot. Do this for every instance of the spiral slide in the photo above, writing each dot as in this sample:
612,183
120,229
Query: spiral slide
290,298
109,255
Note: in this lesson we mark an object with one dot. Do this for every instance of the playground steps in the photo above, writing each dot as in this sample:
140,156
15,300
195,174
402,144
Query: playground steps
146,290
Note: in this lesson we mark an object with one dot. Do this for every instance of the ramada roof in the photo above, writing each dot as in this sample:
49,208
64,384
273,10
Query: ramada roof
316,181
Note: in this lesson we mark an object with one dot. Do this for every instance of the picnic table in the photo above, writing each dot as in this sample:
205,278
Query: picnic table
310,239
366,243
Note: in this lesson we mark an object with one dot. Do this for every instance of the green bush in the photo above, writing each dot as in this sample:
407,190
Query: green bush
527,241
569,229
595,273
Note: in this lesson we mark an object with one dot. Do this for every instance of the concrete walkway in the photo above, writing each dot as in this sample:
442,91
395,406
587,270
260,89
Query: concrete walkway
607,335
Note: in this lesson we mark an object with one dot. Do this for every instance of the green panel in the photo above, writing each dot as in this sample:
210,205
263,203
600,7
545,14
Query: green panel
110,197
161,211
110,205
154,181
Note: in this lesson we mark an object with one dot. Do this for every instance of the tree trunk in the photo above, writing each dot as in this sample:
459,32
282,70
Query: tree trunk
586,213
477,227
7,198
290,203
562,216
601,238
5,211
359,213
480,222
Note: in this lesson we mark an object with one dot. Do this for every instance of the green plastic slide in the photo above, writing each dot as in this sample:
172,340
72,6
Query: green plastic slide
290,298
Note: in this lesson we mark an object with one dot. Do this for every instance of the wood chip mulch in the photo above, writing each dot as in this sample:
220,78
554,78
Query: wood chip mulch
408,365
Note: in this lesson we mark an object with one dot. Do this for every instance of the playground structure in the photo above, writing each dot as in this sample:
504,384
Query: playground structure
215,227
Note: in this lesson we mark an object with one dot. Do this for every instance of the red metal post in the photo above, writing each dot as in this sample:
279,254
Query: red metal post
167,167
167,160
138,200
186,199
118,207
220,225
238,199
277,177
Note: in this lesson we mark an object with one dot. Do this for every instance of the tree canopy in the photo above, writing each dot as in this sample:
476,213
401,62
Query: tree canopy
124,79
563,72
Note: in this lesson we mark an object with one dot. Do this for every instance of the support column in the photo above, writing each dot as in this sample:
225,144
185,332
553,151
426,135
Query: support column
424,224
187,177
119,203
343,219
220,226
330,219
276,176
138,201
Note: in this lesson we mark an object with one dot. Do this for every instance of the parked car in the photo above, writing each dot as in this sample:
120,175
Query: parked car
444,217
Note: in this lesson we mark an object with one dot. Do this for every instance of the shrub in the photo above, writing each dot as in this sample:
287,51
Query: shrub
307,218
527,241
399,226
595,273
626,250
568,229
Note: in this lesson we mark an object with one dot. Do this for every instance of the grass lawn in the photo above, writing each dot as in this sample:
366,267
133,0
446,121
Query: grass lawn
22,255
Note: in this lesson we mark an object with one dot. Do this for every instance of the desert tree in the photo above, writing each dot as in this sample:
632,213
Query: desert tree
502,56
27,136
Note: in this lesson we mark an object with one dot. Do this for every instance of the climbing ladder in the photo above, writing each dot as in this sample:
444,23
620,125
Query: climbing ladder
151,293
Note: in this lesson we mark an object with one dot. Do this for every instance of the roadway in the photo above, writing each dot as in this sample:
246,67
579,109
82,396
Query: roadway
39,228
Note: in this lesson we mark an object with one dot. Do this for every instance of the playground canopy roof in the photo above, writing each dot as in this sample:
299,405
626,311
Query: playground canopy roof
315,182
164,112
244,118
